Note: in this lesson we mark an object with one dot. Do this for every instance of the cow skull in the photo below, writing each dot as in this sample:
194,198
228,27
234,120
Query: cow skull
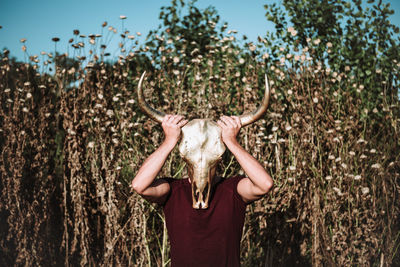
201,146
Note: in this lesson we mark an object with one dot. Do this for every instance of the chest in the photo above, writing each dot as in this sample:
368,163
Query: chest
223,212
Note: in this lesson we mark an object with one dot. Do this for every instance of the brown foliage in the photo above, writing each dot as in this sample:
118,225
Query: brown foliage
68,155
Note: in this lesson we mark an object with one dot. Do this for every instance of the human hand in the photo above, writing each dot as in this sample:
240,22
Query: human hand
172,125
230,126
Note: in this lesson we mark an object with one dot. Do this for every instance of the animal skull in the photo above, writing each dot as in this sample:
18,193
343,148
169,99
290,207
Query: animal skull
201,146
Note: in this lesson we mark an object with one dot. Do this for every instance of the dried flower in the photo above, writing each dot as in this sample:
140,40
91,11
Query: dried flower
376,166
365,190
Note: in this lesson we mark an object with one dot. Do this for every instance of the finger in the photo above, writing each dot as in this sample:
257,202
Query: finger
237,120
171,118
166,118
182,123
221,124
228,121
176,119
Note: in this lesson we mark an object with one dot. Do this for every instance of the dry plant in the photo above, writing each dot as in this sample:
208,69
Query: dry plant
72,141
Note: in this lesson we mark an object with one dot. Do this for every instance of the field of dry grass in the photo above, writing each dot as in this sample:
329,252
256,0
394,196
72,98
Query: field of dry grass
69,153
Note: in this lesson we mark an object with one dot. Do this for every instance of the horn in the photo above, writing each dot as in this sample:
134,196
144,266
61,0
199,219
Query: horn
250,117
149,111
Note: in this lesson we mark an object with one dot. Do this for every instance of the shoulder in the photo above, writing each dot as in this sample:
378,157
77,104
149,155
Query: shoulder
231,184
175,184
173,181
232,181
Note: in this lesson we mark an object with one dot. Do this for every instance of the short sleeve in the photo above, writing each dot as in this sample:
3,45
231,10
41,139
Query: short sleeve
233,183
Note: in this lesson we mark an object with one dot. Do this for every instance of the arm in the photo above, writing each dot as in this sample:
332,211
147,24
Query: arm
259,182
144,182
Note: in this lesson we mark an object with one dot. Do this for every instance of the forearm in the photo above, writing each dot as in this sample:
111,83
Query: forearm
254,170
152,166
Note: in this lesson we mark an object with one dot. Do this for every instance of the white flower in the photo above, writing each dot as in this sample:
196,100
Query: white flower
328,44
357,177
28,95
122,17
265,56
110,112
176,59
292,168
328,178
91,145
337,190
100,96
365,190
275,128
359,141
131,101
317,41
241,61
376,166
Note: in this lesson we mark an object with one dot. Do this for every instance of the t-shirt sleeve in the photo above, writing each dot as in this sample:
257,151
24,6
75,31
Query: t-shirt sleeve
233,183
172,183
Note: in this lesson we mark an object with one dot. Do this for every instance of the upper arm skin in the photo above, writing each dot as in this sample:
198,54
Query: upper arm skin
157,192
250,192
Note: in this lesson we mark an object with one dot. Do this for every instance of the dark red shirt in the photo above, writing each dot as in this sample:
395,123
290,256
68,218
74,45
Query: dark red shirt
209,237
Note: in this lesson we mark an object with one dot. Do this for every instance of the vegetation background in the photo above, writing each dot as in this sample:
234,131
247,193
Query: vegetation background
72,136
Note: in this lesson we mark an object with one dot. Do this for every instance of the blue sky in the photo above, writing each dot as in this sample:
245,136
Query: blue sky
40,20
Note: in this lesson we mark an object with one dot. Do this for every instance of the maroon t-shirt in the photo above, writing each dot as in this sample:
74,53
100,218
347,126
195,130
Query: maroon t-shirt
205,237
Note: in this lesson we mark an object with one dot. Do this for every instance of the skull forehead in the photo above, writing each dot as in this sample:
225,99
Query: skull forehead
201,139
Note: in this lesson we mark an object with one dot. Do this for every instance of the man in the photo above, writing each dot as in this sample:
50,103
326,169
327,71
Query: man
203,237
